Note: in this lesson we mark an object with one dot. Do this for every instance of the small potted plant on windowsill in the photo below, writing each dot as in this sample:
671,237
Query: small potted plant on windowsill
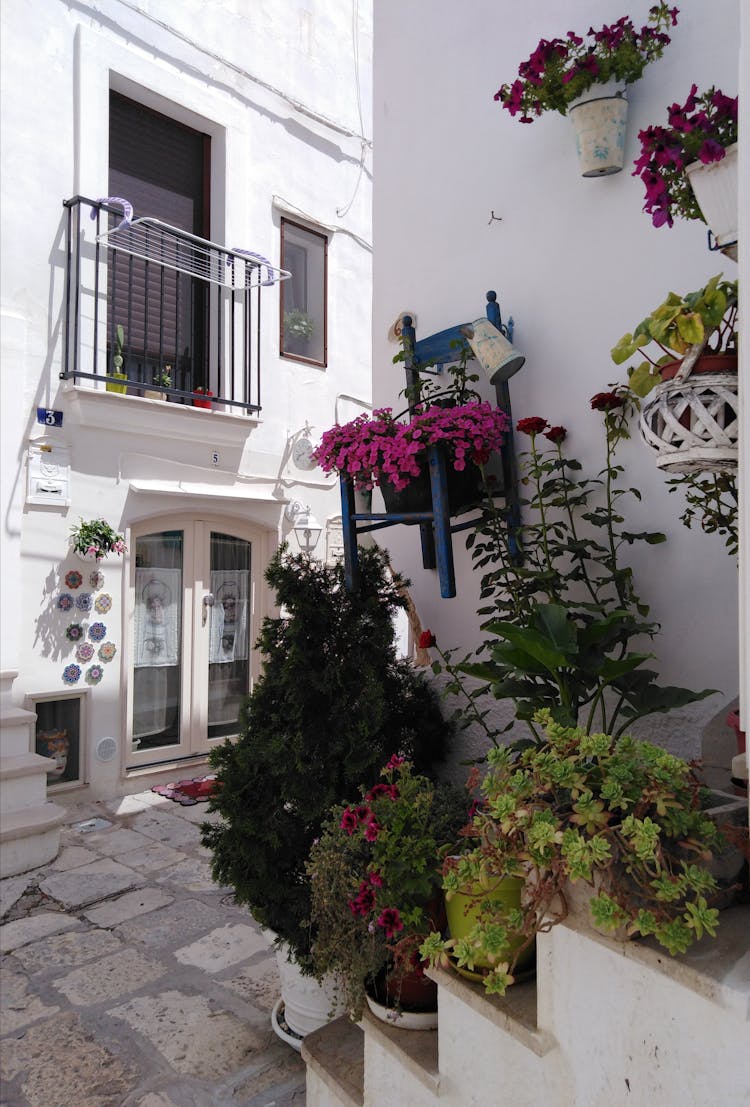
94,539
117,363
298,330
689,167
617,818
376,893
162,379
587,78
202,398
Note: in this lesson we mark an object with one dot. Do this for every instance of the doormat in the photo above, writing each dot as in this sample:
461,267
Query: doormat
188,792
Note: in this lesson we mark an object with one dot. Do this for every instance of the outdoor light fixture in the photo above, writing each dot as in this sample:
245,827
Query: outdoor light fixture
305,525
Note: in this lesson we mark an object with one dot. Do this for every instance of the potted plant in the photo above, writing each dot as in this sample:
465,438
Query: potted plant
376,892
690,378
331,704
587,78
117,363
202,397
560,607
390,452
162,379
619,818
689,167
298,330
95,539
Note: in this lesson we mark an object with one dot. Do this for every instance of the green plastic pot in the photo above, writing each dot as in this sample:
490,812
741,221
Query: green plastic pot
112,387
464,911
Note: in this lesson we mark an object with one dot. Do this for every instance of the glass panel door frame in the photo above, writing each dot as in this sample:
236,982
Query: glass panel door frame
194,646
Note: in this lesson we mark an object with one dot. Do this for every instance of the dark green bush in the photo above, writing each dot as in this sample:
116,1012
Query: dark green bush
332,704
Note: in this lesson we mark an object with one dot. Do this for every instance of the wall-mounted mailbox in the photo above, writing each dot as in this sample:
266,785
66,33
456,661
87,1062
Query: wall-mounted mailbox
49,475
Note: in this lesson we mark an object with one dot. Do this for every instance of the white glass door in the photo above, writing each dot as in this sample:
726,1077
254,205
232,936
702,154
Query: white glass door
194,621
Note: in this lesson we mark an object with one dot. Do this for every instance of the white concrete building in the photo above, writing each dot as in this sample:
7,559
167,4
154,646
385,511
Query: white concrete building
468,199
248,127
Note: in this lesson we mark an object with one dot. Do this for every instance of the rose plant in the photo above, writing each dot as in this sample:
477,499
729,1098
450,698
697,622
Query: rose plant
375,883
559,605
381,448
700,130
618,816
562,69
96,538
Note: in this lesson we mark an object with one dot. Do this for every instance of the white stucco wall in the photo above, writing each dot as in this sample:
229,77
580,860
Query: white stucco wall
576,263
284,90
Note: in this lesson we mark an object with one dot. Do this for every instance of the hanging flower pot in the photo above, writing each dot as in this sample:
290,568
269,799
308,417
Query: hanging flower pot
715,188
599,119
691,421
464,490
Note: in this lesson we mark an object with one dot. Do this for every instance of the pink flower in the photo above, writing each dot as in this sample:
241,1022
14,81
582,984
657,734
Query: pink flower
390,920
395,762
349,821
372,829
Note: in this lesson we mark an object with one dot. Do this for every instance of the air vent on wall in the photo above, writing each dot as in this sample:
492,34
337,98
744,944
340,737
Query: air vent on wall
106,748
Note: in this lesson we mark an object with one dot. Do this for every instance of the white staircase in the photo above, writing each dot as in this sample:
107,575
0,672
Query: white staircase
29,824
605,1023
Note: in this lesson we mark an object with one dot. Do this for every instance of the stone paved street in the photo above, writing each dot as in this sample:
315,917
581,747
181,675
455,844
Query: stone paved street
129,979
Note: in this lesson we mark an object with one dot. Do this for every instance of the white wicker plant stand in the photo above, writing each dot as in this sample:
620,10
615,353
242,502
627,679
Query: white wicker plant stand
691,420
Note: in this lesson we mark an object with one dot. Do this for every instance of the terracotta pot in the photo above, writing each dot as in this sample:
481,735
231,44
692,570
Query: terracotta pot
405,998
708,363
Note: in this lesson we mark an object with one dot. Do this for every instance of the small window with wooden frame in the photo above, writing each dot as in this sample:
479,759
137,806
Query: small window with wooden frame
304,316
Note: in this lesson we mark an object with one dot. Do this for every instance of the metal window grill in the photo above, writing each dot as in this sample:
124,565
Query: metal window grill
186,306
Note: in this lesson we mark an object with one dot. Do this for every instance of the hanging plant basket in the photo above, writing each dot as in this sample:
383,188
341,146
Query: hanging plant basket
715,188
599,120
691,423
464,490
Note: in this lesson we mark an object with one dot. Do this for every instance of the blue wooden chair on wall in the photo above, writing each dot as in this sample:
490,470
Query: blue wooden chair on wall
430,355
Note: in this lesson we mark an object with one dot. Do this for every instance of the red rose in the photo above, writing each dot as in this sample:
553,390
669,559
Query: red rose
606,401
532,425
556,434
426,639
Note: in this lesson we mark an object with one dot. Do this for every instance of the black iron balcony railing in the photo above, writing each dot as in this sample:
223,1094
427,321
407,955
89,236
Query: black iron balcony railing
166,311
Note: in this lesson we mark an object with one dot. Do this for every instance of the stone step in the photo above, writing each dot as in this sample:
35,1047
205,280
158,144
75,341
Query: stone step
29,838
335,1059
23,781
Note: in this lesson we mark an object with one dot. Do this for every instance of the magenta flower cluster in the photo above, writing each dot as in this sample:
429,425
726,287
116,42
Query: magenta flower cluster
700,130
562,69
371,450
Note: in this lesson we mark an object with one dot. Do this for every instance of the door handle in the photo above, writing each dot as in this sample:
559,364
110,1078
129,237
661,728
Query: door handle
208,601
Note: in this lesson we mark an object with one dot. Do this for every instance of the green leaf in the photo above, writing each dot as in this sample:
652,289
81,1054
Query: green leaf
531,643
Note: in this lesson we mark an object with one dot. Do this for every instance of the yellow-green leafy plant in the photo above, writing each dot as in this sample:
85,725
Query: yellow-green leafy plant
619,815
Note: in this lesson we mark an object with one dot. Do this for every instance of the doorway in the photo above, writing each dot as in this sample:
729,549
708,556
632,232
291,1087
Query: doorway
195,584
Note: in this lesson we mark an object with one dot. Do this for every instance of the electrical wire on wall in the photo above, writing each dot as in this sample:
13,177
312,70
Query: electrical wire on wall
341,212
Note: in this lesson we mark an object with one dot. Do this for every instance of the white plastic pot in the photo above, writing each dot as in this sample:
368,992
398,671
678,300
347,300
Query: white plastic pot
715,188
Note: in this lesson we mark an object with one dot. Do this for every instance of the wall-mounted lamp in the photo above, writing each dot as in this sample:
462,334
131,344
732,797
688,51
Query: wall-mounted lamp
305,525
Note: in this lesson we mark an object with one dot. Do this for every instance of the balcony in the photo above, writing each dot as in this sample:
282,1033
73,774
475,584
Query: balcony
181,315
